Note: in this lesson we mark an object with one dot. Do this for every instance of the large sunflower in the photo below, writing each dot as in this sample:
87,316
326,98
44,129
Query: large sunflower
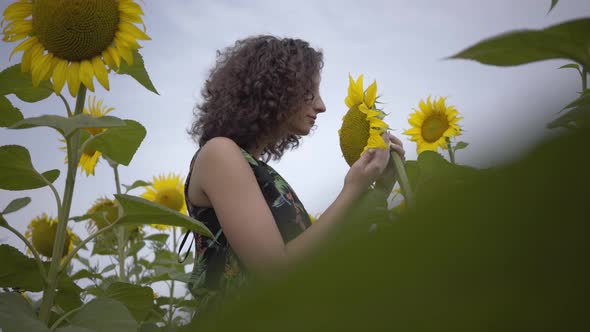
362,125
433,124
89,158
167,190
73,41
41,232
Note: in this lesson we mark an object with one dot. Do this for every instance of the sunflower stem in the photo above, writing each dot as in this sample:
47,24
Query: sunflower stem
68,109
73,144
121,232
451,151
171,309
402,178
91,237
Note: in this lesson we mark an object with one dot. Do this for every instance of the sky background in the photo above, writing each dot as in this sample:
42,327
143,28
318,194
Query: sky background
401,44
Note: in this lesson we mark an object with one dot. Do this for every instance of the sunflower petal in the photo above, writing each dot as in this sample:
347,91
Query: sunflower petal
74,78
87,74
371,94
59,76
101,72
125,53
133,31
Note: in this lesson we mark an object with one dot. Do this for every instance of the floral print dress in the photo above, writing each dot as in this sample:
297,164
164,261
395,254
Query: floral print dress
217,268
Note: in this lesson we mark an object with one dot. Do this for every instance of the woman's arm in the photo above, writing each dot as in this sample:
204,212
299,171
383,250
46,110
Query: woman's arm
248,224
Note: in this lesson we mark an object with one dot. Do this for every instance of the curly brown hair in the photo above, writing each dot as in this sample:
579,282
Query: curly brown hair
253,89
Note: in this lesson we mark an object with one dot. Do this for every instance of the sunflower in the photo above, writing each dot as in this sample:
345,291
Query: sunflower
41,232
362,125
167,190
110,210
433,124
73,41
89,158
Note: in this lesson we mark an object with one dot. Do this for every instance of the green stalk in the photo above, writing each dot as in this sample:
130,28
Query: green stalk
171,310
451,152
121,231
73,144
402,177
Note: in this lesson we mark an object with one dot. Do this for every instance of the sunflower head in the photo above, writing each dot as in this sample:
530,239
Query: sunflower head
73,41
167,190
41,232
362,125
108,208
433,124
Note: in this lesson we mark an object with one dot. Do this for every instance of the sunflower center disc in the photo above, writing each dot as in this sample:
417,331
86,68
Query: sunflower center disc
75,30
434,127
170,198
354,134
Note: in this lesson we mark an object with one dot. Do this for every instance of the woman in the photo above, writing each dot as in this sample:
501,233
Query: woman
261,97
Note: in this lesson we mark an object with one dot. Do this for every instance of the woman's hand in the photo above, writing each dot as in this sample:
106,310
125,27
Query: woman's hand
387,180
368,168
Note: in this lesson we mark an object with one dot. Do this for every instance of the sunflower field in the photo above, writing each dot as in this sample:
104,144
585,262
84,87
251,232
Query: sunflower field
442,246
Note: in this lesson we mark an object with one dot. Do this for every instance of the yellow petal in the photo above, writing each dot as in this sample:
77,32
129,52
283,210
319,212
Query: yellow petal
26,61
59,76
371,94
130,7
25,45
87,74
109,60
112,51
133,31
40,67
100,71
125,53
74,78
18,10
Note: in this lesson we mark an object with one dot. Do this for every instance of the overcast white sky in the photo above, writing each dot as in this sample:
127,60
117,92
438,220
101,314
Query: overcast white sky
402,44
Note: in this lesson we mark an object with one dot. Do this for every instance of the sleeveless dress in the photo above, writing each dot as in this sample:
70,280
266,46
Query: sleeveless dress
217,269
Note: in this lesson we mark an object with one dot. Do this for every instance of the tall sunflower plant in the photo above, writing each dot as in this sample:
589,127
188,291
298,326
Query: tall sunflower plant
65,47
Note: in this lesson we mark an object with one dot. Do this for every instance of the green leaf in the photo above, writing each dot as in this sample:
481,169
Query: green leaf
17,172
571,65
569,40
139,300
139,211
159,237
16,315
16,205
461,145
8,113
577,117
68,294
138,72
149,327
13,80
135,248
18,270
67,126
553,3
85,274
108,268
136,184
102,315
119,143
583,100
3,222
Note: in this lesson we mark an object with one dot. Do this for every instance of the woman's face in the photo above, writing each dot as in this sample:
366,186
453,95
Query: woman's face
302,121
